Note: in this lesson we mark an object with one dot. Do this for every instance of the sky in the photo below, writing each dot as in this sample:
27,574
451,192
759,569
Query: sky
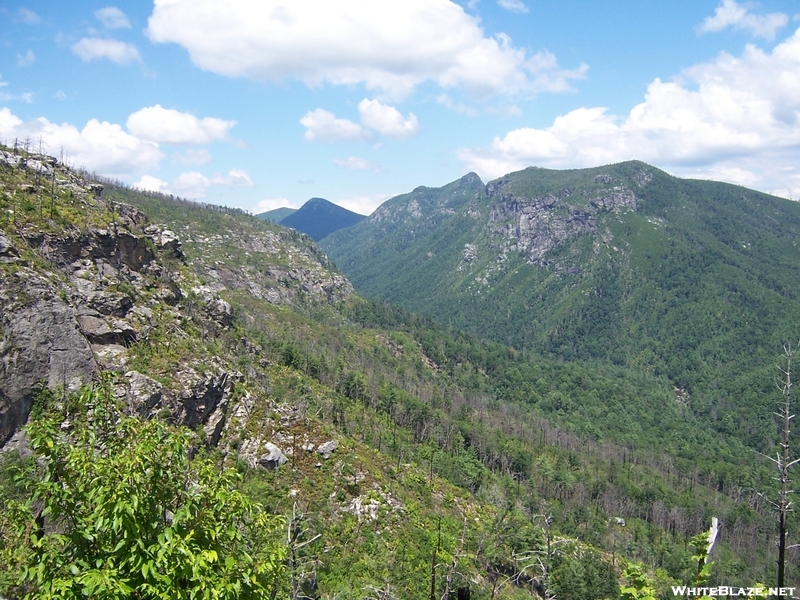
260,104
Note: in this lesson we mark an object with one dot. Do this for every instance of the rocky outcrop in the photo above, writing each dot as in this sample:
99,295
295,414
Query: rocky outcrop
40,342
539,224
203,400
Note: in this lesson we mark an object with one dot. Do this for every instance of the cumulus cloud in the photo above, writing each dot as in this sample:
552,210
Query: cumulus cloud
112,18
114,50
194,184
268,204
391,46
354,163
734,117
100,146
376,117
152,184
387,120
324,126
170,126
513,5
731,14
363,205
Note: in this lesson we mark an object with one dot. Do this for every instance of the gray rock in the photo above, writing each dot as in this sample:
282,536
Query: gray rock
273,458
39,341
327,448
143,393
8,253
204,400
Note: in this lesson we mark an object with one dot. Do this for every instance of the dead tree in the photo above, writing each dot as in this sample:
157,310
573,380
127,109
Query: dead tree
783,462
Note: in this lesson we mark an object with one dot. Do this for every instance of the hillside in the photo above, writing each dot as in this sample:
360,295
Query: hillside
403,452
694,281
318,218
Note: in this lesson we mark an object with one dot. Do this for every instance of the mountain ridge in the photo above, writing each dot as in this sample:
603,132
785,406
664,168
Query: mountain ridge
622,263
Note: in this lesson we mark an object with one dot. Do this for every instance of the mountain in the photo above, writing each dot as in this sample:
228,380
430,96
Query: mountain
276,214
695,281
400,455
318,218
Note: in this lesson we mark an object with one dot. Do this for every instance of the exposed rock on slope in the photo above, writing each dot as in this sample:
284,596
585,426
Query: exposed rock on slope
537,225
86,279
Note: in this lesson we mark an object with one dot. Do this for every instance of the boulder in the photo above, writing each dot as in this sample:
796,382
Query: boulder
273,458
327,448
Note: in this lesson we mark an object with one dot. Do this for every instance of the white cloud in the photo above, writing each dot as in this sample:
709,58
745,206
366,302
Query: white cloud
194,184
734,117
27,59
363,205
271,204
173,127
324,126
112,18
28,16
354,163
114,50
513,5
375,116
152,184
192,157
392,46
100,146
731,14
387,120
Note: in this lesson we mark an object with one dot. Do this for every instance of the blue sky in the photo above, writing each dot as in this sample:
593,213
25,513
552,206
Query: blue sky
267,103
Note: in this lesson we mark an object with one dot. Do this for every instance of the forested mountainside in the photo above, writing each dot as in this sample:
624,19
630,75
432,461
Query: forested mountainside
396,457
693,281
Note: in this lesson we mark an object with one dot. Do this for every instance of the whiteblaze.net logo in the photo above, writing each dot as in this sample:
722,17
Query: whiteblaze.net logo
732,591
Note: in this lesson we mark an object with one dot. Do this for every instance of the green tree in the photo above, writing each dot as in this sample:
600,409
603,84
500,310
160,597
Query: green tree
119,508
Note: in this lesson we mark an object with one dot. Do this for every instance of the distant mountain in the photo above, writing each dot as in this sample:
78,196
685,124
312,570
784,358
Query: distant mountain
319,218
369,429
275,215
695,281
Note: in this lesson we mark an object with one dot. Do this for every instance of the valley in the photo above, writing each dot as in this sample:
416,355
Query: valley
543,385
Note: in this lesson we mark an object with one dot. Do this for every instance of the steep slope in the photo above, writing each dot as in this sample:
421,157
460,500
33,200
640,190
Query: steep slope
318,218
693,280
394,440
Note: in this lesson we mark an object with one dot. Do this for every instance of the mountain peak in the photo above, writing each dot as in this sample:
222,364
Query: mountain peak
319,217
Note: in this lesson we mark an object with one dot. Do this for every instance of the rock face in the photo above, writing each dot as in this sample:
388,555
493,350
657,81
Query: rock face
40,341
88,284
539,224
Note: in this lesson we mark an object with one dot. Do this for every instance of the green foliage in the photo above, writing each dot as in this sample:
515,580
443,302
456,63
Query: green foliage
637,583
119,508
